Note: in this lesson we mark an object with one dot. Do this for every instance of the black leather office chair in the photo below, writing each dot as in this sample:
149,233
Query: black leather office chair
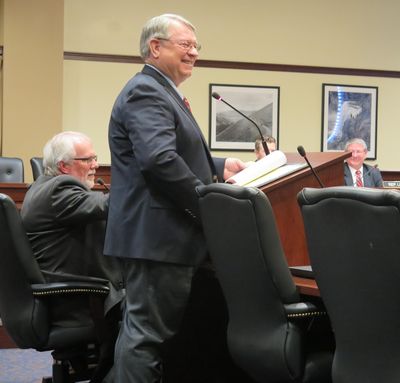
37,167
353,237
267,329
11,169
27,302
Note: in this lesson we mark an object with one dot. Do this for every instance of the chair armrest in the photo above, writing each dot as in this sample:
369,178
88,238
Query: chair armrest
71,287
303,310
57,277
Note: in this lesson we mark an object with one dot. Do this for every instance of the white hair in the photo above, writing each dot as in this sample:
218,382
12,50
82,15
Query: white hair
61,148
158,27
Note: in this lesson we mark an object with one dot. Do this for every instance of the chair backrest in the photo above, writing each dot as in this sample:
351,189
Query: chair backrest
353,237
37,167
245,248
24,317
11,169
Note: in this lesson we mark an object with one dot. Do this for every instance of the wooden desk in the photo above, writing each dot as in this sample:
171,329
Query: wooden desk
16,191
282,194
104,172
307,286
5,340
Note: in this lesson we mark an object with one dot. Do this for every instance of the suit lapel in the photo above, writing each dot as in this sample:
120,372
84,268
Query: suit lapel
348,179
147,70
367,177
162,81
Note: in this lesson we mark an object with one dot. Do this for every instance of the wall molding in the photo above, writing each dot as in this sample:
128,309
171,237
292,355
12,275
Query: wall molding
241,65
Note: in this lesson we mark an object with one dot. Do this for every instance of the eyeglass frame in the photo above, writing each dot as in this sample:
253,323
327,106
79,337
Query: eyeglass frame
184,44
88,160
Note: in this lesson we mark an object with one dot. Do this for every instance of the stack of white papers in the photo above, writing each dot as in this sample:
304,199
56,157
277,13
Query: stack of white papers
266,170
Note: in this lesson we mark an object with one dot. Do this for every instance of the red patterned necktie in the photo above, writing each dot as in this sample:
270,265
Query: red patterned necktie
359,181
185,100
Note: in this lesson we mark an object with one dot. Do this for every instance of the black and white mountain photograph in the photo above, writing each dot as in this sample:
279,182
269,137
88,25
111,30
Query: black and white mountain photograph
240,114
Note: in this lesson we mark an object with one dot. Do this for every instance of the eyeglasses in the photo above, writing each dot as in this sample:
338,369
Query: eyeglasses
88,160
357,151
184,44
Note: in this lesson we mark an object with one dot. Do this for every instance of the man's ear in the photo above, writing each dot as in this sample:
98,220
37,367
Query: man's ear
64,167
154,47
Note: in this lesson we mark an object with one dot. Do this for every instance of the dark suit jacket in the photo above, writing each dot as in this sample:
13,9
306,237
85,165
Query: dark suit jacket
372,177
158,157
65,223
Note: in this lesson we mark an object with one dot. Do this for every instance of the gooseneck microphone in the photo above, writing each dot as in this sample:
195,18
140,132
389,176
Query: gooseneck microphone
101,182
302,152
264,144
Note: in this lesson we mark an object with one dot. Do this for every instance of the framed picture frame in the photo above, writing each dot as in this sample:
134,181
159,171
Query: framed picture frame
229,129
348,112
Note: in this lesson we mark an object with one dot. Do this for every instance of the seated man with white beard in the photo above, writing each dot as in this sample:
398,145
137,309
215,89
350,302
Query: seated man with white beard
65,222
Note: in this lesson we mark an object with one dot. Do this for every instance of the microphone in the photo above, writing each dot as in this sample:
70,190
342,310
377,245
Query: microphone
101,182
264,144
302,152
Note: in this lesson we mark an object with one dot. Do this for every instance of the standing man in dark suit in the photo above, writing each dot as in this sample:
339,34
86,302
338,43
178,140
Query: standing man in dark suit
158,157
356,172
65,223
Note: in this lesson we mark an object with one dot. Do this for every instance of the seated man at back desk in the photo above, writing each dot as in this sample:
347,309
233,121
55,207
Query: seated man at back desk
65,223
259,150
356,172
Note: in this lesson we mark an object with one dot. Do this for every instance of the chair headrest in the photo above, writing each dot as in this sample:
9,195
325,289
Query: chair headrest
11,169
309,196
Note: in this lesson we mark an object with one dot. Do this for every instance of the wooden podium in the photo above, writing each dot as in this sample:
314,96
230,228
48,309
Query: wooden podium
282,194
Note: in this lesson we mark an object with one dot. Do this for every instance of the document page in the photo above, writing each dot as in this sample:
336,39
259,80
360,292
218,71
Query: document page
260,168
276,174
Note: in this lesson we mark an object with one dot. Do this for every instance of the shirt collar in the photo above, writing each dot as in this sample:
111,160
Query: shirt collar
168,79
353,171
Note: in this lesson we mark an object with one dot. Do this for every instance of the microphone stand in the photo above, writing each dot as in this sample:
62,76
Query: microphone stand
263,142
302,152
101,182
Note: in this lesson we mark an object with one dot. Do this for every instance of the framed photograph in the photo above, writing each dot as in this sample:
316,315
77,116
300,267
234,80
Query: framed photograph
229,129
349,112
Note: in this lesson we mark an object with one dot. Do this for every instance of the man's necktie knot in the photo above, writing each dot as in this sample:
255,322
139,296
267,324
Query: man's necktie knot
185,100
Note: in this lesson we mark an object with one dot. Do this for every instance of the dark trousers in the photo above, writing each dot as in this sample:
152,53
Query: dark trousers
156,298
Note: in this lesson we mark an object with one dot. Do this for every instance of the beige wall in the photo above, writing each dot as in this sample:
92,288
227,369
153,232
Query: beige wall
351,33
344,33
32,76
347,33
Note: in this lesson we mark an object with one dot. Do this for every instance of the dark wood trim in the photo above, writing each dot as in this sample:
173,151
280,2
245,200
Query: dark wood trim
5,339
82,56
124,59
390,175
